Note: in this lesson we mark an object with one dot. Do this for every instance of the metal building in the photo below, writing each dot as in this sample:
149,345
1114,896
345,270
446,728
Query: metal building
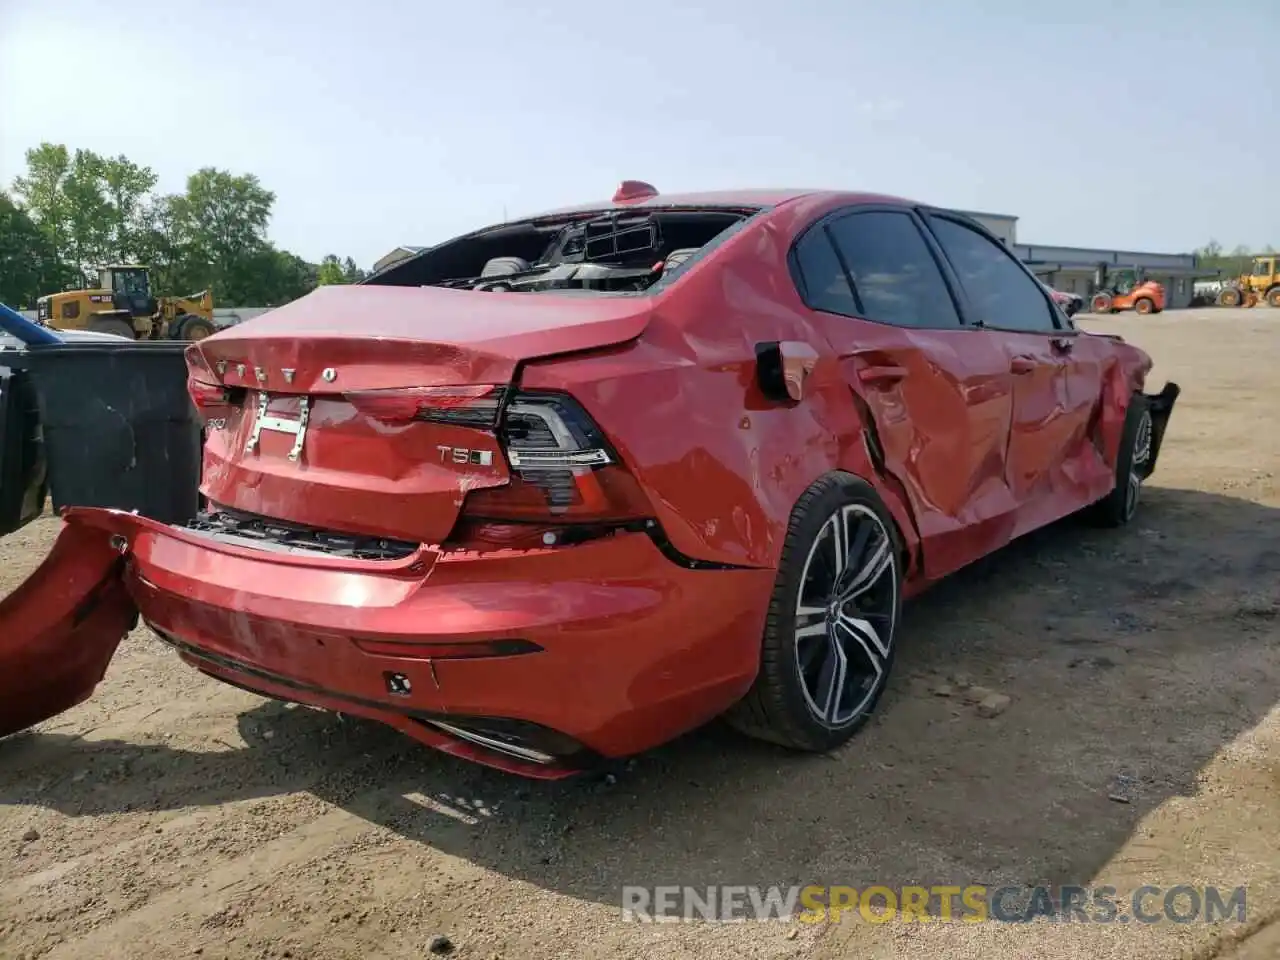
1074,269
1003,225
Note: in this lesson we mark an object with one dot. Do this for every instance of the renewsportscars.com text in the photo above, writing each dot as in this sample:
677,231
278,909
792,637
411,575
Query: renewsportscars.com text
1182,903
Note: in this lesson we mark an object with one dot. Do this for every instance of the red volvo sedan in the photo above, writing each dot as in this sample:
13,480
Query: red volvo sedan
562,489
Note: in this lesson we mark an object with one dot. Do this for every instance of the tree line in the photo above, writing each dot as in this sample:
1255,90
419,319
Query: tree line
1229,264
71,212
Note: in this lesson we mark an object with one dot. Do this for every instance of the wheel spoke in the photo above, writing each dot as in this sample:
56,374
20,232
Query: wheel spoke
812,630
870,572
831,681
857,548
807,653
840,544
866,636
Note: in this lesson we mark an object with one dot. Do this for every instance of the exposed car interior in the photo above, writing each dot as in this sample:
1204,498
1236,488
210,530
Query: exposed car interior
612,252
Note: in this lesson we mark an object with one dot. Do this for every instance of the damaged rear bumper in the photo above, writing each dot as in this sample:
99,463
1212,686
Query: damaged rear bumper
536,661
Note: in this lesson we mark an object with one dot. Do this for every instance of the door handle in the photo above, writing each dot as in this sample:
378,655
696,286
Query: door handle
1021,364
1063,344
881,374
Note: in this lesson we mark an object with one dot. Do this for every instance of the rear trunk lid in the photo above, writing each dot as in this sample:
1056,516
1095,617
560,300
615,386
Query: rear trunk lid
370,410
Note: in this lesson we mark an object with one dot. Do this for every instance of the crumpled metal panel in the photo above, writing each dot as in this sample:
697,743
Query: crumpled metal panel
966,452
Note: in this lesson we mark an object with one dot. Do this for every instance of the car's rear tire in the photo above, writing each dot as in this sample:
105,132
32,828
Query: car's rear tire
1133,466
828,645
1273,297
1144,305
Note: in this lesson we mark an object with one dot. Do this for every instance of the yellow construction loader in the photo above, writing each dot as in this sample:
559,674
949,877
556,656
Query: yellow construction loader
122,304
1262,282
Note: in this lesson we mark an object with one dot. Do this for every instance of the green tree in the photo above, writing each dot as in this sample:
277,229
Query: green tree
335,270
43,191
220,227
127,187
274,277
351,272
158,245
330,271
29,264
1239,261
88,213
88,210
92,208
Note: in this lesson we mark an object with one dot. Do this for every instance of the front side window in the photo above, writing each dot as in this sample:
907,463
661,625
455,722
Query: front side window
1262,268
1001,292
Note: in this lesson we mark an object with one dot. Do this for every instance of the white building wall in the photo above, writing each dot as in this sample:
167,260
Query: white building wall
1004,226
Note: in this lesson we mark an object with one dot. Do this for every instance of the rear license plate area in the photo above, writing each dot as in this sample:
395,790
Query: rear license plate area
280,414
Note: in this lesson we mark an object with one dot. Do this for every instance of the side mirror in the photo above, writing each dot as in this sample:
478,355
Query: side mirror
782,367
1073,307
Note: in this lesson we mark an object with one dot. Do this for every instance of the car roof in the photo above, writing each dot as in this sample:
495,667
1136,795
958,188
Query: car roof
760,197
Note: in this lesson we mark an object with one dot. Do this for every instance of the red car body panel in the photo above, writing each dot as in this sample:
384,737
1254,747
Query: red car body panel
60,628
971,437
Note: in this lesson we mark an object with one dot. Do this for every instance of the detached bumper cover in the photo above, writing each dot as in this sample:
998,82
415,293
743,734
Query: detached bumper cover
60,628
1161,407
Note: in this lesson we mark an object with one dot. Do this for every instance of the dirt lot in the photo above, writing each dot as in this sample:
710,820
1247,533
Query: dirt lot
172,816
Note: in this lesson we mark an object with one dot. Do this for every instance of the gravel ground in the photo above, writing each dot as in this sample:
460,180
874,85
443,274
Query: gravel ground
172,816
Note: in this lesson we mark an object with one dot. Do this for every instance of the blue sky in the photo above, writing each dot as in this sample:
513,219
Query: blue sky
1146,125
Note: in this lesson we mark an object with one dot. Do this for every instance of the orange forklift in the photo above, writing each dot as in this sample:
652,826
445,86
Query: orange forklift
1125,290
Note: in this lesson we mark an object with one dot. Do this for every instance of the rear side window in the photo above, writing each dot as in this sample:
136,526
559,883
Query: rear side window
1004,296
822,277
895,278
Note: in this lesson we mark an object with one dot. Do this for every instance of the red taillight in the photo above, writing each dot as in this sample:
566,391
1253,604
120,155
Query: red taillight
476,403
208,397
562,468
579,495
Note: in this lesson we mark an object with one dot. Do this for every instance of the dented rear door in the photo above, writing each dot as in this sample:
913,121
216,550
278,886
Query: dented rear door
937,394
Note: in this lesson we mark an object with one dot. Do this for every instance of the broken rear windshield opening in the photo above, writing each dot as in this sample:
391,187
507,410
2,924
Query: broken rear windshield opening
614,251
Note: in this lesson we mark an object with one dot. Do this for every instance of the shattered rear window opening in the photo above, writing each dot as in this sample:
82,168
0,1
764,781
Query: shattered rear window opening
629,251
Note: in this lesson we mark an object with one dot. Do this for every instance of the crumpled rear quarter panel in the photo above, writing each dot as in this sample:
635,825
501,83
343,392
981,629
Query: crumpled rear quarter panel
723,465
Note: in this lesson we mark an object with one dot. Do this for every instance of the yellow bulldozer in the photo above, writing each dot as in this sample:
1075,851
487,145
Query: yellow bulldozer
122,304
1262,282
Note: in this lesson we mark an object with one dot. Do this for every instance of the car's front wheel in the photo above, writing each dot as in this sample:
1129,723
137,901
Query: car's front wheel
1133,465
833,617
